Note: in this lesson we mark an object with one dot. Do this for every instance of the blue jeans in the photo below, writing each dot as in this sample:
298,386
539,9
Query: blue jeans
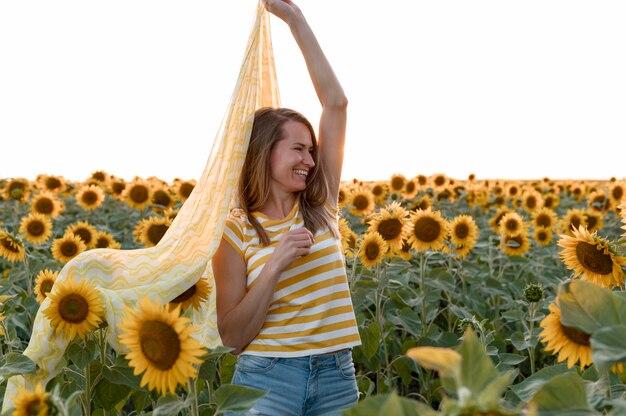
321,384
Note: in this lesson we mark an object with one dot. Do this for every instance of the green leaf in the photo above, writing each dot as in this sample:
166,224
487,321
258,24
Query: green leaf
607,346
477,369
589,307
511,359
370,339
389,404
407,319
564,394
122,375
81,355
404,366
108,394
16,363
235,398
519,341
527,388
491,395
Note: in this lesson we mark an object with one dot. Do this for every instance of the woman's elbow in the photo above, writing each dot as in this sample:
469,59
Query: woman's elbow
229,340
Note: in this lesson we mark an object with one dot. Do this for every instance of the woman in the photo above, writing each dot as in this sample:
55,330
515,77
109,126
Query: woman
283,301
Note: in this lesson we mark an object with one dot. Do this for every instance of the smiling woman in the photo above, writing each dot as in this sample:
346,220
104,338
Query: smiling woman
469,76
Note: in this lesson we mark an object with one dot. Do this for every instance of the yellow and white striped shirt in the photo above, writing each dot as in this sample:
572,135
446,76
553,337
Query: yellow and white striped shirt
311,311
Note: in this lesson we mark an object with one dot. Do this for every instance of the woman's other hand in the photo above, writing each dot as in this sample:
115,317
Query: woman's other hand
292,245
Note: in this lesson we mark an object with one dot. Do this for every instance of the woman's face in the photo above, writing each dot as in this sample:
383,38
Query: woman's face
291,159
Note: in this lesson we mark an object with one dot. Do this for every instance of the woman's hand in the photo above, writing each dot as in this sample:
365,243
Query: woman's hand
286,10
292,245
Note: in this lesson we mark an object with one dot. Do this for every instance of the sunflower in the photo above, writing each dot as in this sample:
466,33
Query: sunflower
116,188
360,201
75,308
90,197
46,203
171,213
149,231
162,198
160,346
588,255
544,217
569,343
372,249
17,189
463,233
410,190
11,247
348,238
573,218
593,219
617,192
55,184
30,403
543,236
512,191
531,200
404,252
512,224
425,202
598,201
551,200
137,194
396,183
184,189
194,296
67,247
105,240
101,177
37,228
85,231
577,191
479,197
515,245
439,181
428,230
380,190
391,223
43,283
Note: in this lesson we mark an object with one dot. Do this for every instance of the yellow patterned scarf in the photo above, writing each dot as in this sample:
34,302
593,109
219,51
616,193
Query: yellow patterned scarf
183,255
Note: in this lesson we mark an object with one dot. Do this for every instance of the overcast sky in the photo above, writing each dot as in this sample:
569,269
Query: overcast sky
502,89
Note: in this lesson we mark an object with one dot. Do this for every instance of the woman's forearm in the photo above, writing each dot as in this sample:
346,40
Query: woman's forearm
327,86
239,327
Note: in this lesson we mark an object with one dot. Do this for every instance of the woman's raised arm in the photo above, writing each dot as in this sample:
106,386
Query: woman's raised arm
332,128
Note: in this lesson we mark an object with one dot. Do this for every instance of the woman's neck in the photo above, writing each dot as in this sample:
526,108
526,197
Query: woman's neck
278,207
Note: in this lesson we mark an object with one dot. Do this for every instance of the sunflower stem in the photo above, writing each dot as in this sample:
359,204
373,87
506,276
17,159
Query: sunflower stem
102,341
87,394
353,273
7,338
423,289
191,382
531,349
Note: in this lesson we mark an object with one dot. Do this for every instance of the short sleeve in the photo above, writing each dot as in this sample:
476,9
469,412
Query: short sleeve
233,234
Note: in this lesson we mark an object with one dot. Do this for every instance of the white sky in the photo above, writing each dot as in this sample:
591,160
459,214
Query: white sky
502,89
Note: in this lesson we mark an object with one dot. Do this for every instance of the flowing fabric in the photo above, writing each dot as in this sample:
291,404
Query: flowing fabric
183,255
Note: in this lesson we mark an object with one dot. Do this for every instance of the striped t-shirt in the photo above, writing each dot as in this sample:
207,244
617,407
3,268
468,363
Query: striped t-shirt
311,311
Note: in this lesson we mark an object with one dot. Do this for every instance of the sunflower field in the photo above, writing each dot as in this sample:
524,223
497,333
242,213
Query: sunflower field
473,297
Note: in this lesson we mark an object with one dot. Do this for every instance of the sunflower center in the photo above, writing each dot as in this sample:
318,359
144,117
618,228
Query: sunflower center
185,189
53,183
160,197
69,248
618,193
46,287
118,187
44,206
593,259
512,225
543,220
90,197
342,196
371,250
99,176
423,204
73,308
360,202
160,344
84,234
576,336
139,194
542,236
35,228
390,228
574,222
548,202
531,202
187,294
9,244
426,229
33,407
156,232
461,230
513,191
397,183
440,181
377,190
410,187
592,221
102,242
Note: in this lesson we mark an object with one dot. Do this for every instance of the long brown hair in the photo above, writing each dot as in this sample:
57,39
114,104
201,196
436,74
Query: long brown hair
254,182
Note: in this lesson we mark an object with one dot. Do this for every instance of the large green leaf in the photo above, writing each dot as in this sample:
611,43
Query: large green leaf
235,398
370,339
80,354
527,388
608,346
562,395
389,404
589,307
491,395
477,369
16,363
108,394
